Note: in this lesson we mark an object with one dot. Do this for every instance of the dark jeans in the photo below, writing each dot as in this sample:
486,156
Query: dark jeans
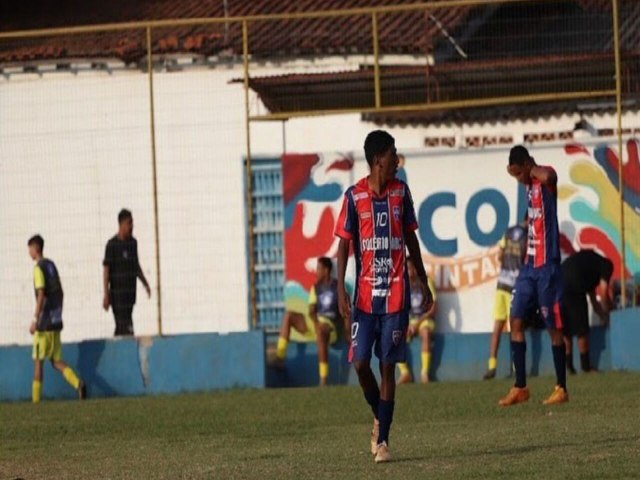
124,322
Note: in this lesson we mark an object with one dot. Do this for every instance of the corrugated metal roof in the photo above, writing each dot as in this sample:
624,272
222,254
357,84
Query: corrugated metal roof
407,32
405,85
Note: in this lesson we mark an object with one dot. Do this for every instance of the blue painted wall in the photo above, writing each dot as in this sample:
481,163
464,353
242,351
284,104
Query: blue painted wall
625,334
203,362
454,357
141,366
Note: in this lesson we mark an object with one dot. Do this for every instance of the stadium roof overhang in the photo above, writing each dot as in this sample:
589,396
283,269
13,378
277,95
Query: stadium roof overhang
456,82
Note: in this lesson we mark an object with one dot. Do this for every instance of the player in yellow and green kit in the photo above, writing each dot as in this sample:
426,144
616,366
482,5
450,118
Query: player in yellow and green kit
47,321
421,322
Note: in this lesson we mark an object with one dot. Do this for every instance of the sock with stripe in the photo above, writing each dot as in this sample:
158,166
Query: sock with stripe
585,362
426,362
373,399
281,349
36,390
71,377
518,354
493,363
385,415
323,369
560,364
404,368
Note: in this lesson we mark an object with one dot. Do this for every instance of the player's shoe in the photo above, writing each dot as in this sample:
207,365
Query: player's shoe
516,395
558,396
424,378
323,382
374,437
491,374
382,453
571,369
405,378
82,391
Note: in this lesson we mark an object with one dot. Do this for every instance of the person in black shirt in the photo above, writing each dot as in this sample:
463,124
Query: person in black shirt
121,269
583,273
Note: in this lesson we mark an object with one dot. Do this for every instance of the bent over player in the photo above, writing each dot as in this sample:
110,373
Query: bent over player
378,217
539,284
47,321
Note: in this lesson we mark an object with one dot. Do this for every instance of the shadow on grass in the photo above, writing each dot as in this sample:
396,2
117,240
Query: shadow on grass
516,450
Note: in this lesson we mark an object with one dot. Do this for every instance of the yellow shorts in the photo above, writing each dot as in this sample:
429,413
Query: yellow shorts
333,333
47,346
501,305
310,335
425,323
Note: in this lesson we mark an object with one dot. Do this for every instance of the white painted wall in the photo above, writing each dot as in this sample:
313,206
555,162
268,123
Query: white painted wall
74,149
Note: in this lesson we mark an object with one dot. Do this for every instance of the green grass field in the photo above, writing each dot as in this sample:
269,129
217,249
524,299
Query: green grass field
447,430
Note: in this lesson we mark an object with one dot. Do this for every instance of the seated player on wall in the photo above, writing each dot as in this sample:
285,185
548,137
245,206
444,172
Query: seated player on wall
322,319
422,323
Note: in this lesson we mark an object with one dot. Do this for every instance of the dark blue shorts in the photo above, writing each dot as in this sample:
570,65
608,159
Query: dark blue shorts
387,334
539,289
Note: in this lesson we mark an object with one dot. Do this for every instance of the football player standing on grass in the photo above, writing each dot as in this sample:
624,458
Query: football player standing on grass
539,283
513,248
378,218
47,321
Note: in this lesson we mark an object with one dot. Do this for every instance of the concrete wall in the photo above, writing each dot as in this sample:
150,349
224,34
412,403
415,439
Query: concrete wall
455,357
625,332
143,366
75,148
206,362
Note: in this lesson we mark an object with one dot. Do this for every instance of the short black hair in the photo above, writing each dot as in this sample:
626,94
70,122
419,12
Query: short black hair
519,155
124,215
326,263
36,240
376,143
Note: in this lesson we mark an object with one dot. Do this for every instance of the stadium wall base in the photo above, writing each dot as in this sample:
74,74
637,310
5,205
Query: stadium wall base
455,357
143,366
625,332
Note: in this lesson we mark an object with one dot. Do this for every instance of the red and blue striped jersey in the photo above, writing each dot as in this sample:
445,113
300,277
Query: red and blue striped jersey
543,244
376,225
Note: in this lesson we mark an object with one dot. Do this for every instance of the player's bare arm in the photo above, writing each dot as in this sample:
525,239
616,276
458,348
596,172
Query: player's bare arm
105,282
143,279
39,305
344,302
546,176
411,240
600,308
313,315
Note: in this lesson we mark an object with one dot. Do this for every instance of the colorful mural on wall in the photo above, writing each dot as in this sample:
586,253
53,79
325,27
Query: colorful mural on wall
464,202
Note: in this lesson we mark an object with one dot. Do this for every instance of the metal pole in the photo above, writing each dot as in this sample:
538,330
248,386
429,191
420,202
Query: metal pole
154,175
249,182
426,107
616,46
376,59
